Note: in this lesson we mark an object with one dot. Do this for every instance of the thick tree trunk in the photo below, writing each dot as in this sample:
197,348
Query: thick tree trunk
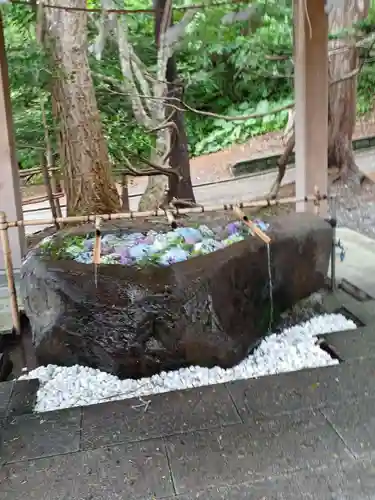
343,94
83,151
342,97
162,189
180,188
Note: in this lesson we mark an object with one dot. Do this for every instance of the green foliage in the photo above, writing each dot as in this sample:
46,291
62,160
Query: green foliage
226,133
228,69
61,248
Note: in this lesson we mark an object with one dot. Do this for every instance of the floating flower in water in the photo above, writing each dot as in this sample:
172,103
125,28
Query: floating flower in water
263,226
207,246
172,256
189,234
150,237
74,250
108,259
233,228
164,241
139,251
84,258
88,245
159,248
233,238
206,232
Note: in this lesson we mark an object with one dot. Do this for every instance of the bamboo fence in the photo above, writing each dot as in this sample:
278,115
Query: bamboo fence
170,214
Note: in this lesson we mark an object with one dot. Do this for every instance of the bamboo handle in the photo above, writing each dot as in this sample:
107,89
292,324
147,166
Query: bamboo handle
263,236
171,219
97,246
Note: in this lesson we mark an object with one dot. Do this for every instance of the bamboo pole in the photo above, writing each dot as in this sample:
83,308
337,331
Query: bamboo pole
125,193
39,199
48,186
34,171
58,207
8,264
171,219
255,229
56,190
97,249
161,213
97,245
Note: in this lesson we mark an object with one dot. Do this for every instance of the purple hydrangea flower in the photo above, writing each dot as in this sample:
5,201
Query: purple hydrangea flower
125,258
233,228
88,245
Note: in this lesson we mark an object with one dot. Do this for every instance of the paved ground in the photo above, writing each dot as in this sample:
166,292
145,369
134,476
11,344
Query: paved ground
309,435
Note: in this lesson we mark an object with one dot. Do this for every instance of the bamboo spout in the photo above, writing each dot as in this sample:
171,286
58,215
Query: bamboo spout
97,245
263,236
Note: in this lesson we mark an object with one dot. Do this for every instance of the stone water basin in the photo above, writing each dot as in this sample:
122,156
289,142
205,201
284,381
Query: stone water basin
193,300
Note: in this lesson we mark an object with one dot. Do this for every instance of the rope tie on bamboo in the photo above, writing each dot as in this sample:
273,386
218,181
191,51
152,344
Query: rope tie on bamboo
317,200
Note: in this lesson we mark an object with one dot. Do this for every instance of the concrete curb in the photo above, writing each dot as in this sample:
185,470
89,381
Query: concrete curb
261,165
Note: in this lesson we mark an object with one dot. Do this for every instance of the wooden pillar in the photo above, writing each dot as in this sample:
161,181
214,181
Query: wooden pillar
10,194
311,98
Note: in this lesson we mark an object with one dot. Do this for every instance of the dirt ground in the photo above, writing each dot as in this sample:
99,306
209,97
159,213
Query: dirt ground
216,166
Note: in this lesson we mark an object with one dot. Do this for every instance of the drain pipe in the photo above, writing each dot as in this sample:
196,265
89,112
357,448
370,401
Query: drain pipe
333,223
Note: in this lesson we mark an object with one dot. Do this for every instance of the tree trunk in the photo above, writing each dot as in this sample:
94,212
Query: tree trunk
343,94
180,188
88,183
342,97
156,192
160,189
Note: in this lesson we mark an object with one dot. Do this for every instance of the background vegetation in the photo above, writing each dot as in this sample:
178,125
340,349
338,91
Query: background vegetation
233,70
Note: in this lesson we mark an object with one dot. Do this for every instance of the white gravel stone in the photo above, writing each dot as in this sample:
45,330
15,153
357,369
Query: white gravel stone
295,348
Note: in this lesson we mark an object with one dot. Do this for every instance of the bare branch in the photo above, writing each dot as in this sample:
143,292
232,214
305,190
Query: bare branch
175,33
156,170
127,72
105,25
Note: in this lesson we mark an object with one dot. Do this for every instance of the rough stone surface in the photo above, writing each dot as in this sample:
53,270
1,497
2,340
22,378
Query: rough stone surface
209,310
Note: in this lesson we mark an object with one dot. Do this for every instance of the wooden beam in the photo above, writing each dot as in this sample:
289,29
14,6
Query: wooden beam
311,96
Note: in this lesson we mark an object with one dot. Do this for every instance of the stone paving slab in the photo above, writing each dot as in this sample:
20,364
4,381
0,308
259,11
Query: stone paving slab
6,389
303,390
291,436
23,397
18,397
352,344
35,436
355,424
162,415
351,481
242,453
280,488
123,472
